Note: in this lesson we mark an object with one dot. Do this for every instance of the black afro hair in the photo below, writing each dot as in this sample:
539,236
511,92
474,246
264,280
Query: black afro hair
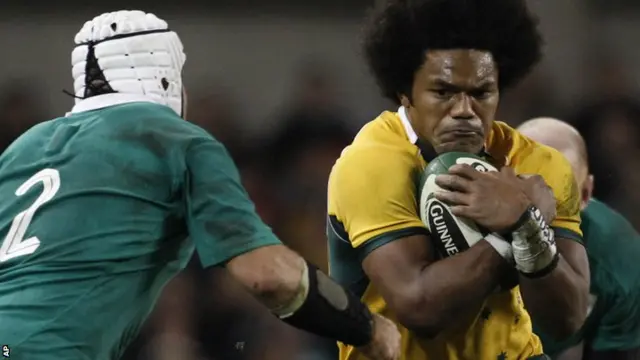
400,32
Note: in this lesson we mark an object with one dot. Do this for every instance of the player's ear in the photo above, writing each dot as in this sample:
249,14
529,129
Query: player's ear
404,101
587,190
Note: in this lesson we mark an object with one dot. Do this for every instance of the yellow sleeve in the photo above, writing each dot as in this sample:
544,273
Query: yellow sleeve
558,174
372,196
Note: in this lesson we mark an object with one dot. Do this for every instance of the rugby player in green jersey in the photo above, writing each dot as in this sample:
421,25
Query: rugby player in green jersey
612,330
102,207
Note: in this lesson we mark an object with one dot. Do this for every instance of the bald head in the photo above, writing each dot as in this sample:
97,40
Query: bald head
566,139
560,136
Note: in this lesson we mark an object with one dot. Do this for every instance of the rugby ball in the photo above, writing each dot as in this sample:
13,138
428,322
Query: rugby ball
450,234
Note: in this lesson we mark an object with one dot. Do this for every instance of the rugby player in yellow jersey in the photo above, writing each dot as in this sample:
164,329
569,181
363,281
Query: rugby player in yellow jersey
445,63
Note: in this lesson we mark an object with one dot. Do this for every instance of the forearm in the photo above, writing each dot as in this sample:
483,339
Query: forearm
302,296
454,287
558,300
573,353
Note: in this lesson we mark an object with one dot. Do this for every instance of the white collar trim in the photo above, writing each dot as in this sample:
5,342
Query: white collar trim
413,137
106,100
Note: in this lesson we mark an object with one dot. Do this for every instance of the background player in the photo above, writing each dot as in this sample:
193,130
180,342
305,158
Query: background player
97,207
612,330
445,63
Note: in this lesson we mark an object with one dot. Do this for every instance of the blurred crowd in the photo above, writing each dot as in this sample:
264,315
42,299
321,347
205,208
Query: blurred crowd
204,315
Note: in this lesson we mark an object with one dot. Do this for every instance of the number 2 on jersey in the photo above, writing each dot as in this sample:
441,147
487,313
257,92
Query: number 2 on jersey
14,243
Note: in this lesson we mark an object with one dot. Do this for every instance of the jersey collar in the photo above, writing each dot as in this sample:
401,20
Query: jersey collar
411,134
426,149
106,100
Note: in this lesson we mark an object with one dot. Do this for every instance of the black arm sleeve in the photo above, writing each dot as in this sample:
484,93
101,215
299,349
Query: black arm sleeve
331,311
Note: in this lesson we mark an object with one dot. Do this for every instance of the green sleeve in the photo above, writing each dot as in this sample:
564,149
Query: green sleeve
616,322
613,246
221,219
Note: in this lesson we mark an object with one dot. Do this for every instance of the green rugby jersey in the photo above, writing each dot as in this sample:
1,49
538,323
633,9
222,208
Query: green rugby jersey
99,210
613,248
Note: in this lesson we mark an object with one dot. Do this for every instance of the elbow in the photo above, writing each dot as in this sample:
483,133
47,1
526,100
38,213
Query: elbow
573,320
277,288
273,275
567,327
273,289
577,315
418,317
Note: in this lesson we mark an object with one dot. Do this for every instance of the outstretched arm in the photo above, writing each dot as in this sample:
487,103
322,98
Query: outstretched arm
301,295
223,224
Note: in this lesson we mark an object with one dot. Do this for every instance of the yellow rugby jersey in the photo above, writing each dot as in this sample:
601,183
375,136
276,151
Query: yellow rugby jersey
367,212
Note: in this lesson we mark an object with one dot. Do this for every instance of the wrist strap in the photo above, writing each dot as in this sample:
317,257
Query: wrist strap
534,246
544,271
526,215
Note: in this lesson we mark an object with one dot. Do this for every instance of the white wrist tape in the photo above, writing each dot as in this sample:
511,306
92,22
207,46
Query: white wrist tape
534,245
501,245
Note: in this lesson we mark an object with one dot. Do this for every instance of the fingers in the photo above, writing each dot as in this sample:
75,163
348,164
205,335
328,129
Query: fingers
531,177
453,182
535,179
462,211
387,342
464,171
526,176
452,197
508,171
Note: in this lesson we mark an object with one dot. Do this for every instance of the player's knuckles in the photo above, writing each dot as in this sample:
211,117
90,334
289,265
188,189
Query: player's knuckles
459,168
474,208
537,181
451,182
444,180
443,195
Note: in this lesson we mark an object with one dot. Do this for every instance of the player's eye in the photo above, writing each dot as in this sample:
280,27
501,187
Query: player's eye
480,94
442,93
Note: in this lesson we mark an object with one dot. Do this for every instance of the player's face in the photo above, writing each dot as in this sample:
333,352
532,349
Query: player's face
454,99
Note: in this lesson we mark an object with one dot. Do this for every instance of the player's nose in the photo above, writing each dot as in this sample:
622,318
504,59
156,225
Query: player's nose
462,108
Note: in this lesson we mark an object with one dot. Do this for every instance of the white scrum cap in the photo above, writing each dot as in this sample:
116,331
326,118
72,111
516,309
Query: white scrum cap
136,53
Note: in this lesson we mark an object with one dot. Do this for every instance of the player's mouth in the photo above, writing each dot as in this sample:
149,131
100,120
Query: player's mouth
460,134
460,138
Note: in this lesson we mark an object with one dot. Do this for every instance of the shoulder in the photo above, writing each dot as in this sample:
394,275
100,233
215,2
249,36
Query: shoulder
149,122
597,210
610,237
373,164
527,156
530,157
379,145
30,142
372,186
138,112
523,153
